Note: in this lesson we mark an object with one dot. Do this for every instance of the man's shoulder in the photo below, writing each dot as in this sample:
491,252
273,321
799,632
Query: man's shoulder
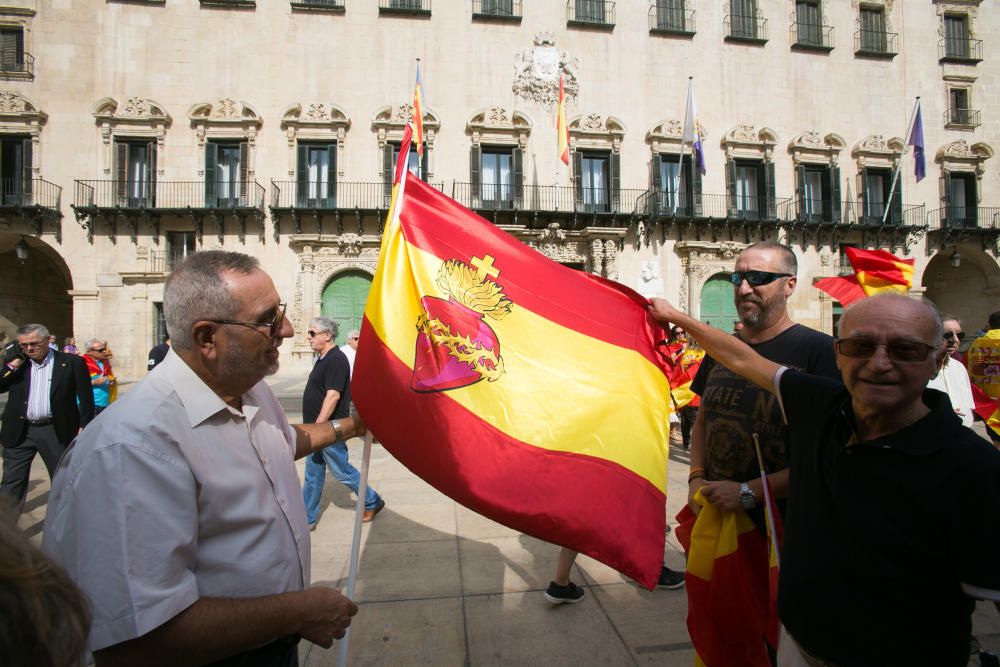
800,333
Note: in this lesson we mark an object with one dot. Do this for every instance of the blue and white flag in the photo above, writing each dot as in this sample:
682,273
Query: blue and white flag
917,141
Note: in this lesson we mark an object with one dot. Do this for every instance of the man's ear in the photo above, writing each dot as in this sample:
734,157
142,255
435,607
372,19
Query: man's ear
790,285
203,334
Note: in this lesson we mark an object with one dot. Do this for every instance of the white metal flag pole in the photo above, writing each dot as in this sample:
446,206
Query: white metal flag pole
686,133
895,177
359,511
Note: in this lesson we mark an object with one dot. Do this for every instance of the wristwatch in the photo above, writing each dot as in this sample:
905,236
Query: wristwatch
747,498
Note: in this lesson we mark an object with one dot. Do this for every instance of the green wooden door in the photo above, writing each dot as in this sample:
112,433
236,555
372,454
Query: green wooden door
344,301
717,307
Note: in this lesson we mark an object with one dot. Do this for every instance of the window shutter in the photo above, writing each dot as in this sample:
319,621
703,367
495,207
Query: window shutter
475,171
616,182
301,174
151,174
387,171
770,200
694,207
19,49
425,163
896,206
971,201
121,171
578,177
517,156
26,166
654,172
244,174
800,191
331,175
861,182
835,195
731,184
211,174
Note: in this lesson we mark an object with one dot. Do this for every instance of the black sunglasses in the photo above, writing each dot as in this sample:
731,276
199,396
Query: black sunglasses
98,349
273,326
756,278
949,335
898,349
313,334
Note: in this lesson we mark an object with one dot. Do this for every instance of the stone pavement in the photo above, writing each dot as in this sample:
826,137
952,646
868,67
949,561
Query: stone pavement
441,585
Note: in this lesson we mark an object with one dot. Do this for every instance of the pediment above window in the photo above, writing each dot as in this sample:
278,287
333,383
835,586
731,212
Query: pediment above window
595,131
962,156
224,119
813,148
745,141
875,151
498,125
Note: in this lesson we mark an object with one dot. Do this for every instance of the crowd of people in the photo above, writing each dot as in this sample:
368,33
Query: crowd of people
886,493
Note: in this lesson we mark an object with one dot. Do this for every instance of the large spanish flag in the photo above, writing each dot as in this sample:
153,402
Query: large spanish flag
874,271
525,390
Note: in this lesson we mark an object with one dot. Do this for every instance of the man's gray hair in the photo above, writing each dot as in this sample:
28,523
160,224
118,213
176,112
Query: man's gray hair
926,303
353,333
28,329
325,325
87,346
195,291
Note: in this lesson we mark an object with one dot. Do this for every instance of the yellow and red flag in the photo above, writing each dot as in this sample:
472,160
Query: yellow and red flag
418,113
731,612
681,375
525,390
562,129
987,408
874,271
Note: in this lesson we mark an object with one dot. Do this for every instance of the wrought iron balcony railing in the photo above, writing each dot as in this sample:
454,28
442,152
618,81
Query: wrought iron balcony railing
599,13
496,9
812,36
670,18
876,43
16,193
815,211
546,198
659,203
20,66
422,7
336,6
965,217
968,118
745,28
137,195
960,50
344,195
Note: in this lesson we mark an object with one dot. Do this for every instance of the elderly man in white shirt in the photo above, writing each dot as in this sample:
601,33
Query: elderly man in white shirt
953,379
179,514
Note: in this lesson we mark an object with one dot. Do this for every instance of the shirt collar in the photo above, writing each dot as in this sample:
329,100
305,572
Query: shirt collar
198,399
924,436
45,362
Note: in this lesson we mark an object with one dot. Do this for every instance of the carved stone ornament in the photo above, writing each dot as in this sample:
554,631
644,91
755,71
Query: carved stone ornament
11,102
552,234
873,143
226,108
537,70
135,106
592,122
670,128
403,112
498,116
316,112
745,133
350,244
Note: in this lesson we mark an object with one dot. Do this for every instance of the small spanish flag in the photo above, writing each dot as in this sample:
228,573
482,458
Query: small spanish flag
418,113
874,271
561,127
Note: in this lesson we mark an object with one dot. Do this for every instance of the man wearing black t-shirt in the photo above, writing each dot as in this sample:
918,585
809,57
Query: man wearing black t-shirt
328,396
723,459
891,528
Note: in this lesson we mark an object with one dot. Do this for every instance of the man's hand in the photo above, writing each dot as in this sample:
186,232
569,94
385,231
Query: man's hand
662,310
326,614
15,363
693,487
723,495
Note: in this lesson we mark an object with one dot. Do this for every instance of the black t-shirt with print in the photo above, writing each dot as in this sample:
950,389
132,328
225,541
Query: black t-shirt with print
330,372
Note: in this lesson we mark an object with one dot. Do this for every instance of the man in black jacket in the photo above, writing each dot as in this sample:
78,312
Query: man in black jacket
50,400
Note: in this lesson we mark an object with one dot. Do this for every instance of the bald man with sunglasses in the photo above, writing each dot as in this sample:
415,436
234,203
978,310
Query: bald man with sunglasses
890,531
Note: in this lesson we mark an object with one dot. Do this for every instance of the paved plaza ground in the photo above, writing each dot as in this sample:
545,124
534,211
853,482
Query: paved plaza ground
441,585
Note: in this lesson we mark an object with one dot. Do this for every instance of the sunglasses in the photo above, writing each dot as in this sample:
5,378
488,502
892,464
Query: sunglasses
313,334
757,278
273,325
898,349
98,349
951,335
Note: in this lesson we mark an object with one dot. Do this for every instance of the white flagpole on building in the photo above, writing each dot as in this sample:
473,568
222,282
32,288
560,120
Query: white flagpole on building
895,177
688,134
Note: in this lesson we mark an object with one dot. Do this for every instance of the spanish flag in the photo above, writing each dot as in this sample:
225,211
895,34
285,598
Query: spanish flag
418,112
987,408
562,129
525,390
874,271
681,374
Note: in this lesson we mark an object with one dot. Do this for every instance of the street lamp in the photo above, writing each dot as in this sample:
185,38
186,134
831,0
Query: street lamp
22,249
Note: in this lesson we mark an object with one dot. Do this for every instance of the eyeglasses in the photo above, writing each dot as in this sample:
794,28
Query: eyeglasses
273,326
39,343
951,335
898,349
313,334
757,278
98,349
353,338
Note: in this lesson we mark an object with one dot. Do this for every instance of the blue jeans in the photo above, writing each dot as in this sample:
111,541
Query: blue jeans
335,457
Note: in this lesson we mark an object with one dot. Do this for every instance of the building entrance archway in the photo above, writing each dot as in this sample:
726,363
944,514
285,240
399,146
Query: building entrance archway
717,307
344,300
963,292
35,291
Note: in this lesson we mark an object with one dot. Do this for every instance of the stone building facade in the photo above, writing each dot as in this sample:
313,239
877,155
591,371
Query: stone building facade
133,132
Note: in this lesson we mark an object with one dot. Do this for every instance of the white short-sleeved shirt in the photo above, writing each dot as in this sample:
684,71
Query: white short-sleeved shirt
173,496
954,381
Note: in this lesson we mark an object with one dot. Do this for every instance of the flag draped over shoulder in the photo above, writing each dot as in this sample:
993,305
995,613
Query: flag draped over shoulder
562,129
731,611
874,271
527,391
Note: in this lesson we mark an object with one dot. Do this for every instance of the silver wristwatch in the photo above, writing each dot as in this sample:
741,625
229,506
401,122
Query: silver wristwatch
747,498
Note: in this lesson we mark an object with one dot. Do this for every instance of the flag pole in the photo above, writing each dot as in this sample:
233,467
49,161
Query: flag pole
359,510
420,153
767,500
680,155
895,178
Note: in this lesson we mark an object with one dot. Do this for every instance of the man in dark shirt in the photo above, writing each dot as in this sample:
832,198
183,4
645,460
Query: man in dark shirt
875,462
158,353
328,396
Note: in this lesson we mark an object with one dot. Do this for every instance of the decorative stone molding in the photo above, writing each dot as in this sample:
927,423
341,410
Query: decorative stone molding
960,156
746,142
136,118
537,70
886,6
20,115
227,119
667,136
593,131
875,151
811,148
700,260
968,7
595,248
389,122
497,125
318,121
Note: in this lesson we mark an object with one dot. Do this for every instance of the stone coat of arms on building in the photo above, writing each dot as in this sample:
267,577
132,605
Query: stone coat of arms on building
537,70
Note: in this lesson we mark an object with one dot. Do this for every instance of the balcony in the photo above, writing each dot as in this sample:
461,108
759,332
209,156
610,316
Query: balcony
854,213
420,8
811,37
547,199
661,204
965,218
749,29
667,19
963,51
876,44
231,4
590,14
22,66
505,11
135,200
962,119
325,6
35,203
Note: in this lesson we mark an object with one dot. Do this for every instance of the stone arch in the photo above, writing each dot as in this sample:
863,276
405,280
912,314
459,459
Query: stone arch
40,289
